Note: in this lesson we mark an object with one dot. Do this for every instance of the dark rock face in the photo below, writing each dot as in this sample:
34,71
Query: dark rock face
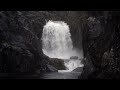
20,47
75,21
51,69
101,42
57,63
78,69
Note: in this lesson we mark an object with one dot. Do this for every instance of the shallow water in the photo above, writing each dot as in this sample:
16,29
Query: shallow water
51,75
61,75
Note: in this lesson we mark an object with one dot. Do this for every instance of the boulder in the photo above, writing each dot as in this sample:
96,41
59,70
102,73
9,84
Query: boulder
57,63
51,69
78,69
74,57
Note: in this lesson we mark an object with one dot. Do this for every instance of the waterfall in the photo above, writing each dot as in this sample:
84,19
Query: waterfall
56,41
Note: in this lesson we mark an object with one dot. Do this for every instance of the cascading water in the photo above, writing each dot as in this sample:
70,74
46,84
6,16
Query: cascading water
57,43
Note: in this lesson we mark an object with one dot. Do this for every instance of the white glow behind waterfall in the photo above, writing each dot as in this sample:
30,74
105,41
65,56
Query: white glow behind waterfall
57,43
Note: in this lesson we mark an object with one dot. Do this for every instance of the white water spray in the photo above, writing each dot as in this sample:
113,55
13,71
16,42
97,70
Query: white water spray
57,43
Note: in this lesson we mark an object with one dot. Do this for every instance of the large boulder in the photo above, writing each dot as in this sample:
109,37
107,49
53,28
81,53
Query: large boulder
51,69
57,63
78,69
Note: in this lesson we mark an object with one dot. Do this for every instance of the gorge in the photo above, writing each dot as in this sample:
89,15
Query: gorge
92,36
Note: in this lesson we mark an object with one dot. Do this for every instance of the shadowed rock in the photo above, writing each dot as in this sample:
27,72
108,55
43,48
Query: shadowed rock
51,69
78,69
74,57
57,63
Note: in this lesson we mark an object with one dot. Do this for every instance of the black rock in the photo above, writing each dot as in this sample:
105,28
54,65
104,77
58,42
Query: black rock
101,47
51,69
74,57
57,63
78,69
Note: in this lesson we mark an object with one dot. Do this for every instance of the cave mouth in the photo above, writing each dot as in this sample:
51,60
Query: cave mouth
57,43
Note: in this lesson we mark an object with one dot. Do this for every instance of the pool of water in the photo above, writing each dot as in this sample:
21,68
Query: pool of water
51,75
61,75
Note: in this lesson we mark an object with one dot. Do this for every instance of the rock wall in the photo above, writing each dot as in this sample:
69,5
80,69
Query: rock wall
20,40
101,45
20,37
20,48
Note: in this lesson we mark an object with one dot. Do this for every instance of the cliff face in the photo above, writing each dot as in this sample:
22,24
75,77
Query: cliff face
20,48
101,45
20,39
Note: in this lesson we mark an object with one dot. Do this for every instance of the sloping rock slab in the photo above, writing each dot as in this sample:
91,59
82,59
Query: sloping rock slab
51,69
78,69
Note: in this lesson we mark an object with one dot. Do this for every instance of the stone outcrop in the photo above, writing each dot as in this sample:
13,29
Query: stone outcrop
101,46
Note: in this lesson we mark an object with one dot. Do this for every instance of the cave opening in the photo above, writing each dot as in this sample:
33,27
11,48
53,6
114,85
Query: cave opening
57,43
